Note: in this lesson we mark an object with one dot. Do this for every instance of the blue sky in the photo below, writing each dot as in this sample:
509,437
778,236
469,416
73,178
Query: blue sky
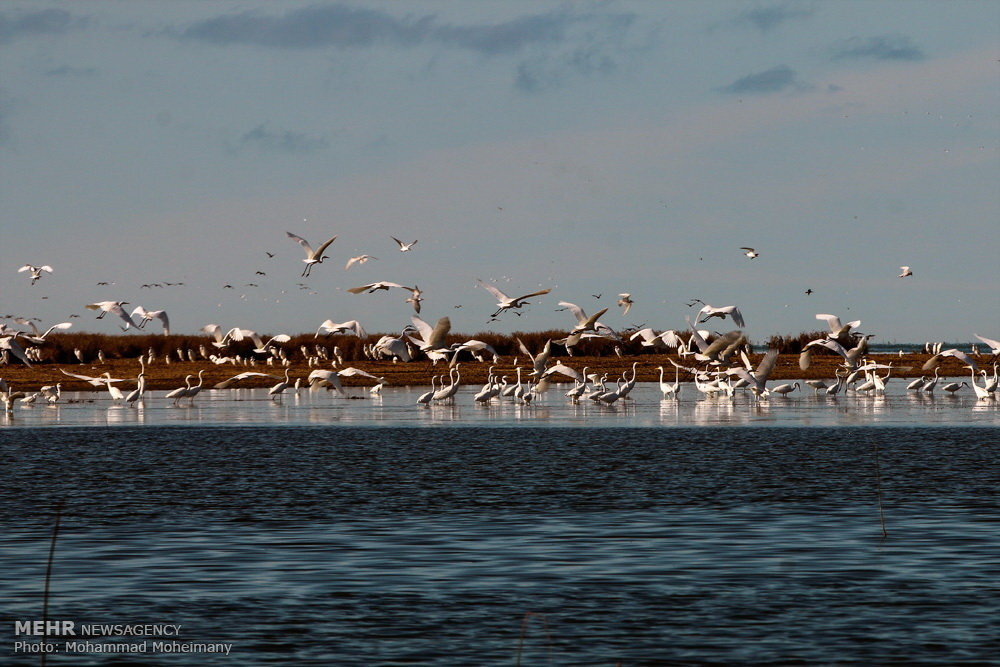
593,148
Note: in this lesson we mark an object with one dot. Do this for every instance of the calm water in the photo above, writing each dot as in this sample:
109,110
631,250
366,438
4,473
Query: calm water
346,544
397,407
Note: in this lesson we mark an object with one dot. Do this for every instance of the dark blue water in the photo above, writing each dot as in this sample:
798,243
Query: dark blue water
482,545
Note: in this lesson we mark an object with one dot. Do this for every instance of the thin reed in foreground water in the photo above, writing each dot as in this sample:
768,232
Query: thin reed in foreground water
48,576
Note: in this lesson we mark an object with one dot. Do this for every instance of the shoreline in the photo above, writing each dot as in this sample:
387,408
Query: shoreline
161,376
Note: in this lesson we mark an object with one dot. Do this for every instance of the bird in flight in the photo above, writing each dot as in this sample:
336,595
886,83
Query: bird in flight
371,288
505,302
269,254
360,259
403,247
809,291
36,271
625,301
312,256
750,252
905,271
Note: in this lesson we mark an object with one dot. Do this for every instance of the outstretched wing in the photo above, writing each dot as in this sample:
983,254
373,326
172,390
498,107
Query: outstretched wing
302,242
319,251
576,310
538,293
497,294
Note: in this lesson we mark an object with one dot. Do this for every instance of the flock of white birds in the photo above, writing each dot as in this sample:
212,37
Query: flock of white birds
718,362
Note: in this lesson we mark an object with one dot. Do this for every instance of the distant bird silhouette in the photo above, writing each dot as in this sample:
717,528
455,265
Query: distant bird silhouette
751,253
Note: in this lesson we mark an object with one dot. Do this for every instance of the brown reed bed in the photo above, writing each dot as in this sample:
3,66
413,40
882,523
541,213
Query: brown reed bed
121,360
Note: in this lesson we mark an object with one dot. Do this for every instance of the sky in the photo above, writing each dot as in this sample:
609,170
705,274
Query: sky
593,148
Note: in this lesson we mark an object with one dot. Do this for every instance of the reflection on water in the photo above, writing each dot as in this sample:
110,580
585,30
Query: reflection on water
397,406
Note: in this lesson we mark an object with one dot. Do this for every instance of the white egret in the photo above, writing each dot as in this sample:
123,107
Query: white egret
905,271
115,308
584,323
505,302
708,312
403,247
312,256
279,388
348,328
836,328
36,271
147,315
625,301
671,390
430,339
994,344
180,392
360,259
750,252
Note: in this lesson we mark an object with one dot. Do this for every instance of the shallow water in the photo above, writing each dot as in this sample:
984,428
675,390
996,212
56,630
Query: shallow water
346,544
397,406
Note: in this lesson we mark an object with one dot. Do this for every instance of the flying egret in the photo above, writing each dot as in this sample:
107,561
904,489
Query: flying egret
36,271
147,315
403,247
371,288
584,323
312,256
430,339
905,271
625,301
505,302
994,344
360,259
348,328
115,308
750,252
711,311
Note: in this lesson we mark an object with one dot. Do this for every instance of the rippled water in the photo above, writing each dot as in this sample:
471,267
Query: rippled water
366,545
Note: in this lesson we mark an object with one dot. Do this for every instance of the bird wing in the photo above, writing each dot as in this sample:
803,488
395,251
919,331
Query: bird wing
577,311
737,316
565,370
423,328
497,294
750,249
538,293
401,244
215,330
647,335
319,251
363,288
994,344
441,329
8,343
671,338
164,320
698,339
591,322
829,344
351,371
963,357
766,365
523,348
26,267
46,267
831,320
351,262
302,242
61,325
